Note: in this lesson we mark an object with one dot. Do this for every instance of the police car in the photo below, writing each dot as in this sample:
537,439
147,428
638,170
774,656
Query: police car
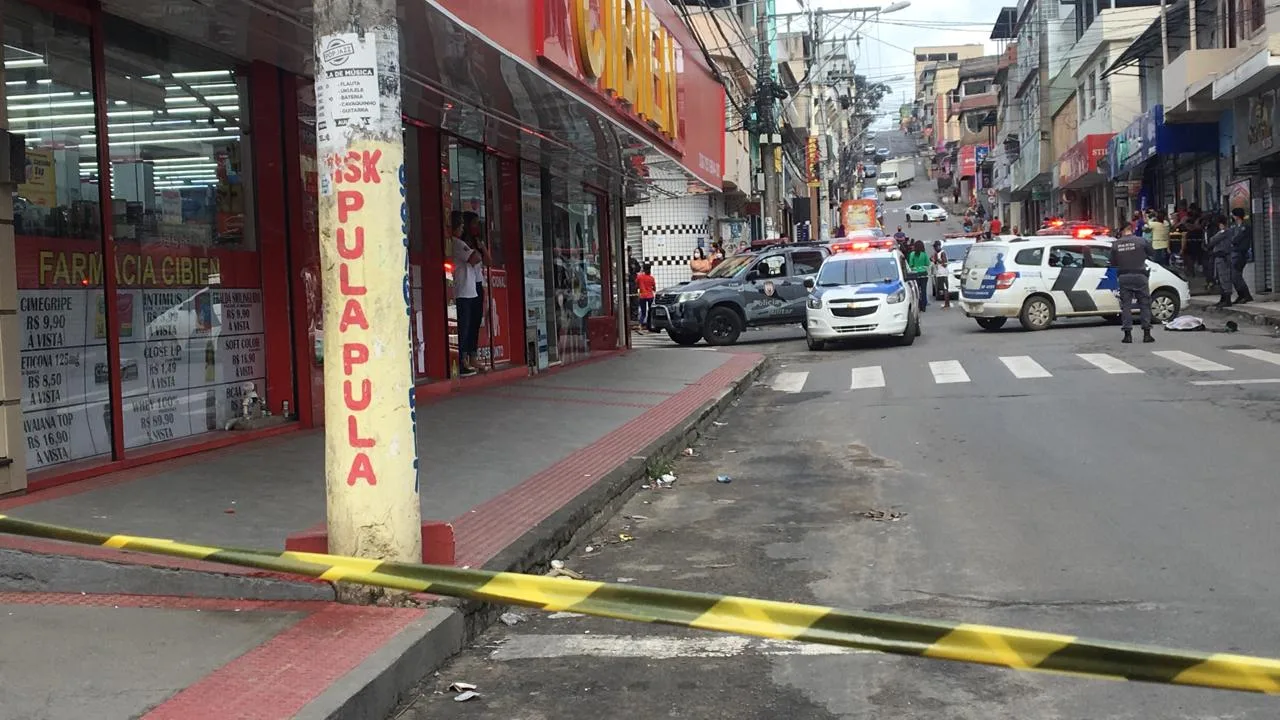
1042,278
863,288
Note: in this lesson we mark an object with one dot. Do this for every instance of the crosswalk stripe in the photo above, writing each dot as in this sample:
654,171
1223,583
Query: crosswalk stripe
948,371
1186,359
790,382
1023,367
867,377
1263,355
1108,364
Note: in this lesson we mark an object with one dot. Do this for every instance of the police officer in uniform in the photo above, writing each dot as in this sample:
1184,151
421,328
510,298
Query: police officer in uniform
1129,255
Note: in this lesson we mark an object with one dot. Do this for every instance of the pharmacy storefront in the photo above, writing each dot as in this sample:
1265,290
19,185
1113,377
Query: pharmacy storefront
165,225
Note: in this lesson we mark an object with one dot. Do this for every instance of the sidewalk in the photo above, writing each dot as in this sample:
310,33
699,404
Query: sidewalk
518,470
1264,310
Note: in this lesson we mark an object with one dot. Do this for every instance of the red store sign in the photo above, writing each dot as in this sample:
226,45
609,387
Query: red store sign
1082,158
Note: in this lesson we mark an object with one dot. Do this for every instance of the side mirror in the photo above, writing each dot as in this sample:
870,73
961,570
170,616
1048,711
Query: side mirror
808,284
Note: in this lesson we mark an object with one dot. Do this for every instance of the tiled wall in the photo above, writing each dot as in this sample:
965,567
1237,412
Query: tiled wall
672,230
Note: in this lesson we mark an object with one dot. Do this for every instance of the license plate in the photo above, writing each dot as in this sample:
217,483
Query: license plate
973,307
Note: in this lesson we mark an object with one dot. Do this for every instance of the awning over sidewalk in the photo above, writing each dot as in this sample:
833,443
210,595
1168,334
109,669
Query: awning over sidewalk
470,68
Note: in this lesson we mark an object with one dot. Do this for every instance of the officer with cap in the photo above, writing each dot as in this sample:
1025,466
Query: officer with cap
1129,256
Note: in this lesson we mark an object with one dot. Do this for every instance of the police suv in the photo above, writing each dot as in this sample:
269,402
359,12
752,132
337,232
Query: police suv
864,288
1038,279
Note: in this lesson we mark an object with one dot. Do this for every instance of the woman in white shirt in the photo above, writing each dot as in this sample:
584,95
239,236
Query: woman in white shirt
465,296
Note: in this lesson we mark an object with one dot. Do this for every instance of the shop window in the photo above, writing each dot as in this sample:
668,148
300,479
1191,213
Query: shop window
578,274
466,255
62,313
191,340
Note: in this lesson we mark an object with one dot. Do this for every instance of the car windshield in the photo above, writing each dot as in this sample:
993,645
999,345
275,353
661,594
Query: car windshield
983,255
892,188
956,251
731,266
858,271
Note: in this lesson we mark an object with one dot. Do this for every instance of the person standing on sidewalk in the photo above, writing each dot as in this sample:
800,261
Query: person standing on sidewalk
918,264
1129,256
1219,249
1241,250
465,298
647,288
1160,237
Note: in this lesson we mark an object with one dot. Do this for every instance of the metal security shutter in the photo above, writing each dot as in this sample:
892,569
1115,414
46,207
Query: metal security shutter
1265,245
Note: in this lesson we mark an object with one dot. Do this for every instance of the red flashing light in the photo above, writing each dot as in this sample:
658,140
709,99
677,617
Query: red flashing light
1004,280
1084,232
448,267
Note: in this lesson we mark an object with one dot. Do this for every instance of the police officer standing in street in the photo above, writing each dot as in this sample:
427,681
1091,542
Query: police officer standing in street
1129,255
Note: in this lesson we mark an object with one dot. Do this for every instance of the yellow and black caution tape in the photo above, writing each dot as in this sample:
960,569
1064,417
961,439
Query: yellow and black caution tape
983,644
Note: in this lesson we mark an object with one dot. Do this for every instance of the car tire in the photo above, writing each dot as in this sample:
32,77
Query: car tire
814,345
1168,303
684,338
991,324
909,335
722,327
1037,313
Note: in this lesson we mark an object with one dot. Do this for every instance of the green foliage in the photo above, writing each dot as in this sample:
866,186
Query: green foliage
867,97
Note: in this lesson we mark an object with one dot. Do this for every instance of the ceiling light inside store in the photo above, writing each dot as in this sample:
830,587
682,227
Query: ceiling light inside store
24,63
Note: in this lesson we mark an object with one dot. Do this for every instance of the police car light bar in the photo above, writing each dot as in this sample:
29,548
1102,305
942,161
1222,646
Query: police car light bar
862,245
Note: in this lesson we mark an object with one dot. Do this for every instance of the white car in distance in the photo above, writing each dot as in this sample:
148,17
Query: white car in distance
893,192
926,212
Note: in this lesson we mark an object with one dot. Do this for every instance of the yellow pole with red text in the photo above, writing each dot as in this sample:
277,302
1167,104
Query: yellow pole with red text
371,474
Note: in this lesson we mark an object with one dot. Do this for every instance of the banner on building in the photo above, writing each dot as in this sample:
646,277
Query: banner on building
812,157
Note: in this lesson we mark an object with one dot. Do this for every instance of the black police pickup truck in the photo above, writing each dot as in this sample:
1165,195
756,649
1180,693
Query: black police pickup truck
764,287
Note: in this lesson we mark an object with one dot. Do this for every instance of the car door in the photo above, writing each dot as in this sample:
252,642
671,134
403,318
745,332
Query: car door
1067,279
763,301
1102,277
915,212
804,265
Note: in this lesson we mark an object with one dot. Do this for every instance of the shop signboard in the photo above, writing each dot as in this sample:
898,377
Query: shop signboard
1256,132
1239,196
495,331
40,186
1082,158
1148,136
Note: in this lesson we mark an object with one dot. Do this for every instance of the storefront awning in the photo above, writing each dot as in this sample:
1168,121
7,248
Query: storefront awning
469,68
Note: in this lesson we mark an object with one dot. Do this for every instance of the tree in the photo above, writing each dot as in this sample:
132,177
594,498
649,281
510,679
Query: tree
867,97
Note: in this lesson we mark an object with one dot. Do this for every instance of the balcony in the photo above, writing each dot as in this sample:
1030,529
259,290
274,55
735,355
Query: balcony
1188,82
737,162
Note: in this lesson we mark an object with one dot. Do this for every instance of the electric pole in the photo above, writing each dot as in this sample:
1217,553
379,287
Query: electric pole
816,92
371,475
770,139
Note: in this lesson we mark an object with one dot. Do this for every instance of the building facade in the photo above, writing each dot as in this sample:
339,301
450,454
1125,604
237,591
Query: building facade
161,263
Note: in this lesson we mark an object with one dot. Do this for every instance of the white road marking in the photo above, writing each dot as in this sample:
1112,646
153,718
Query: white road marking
1253,381
867,377
1186,359
1108,364
1263,355
1023,367
790,382
542,647
948,371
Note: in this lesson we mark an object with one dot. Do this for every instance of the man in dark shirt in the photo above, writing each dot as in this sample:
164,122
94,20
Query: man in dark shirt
1129,256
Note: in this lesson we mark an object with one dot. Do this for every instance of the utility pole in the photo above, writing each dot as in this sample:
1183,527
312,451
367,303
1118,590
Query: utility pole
770,139
816,90
371,475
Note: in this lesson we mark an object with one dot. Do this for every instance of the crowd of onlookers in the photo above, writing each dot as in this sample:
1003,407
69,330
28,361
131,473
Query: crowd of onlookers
642,287
1214,245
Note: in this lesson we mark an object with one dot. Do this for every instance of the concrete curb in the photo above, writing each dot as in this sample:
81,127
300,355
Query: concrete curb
22,571
1239,313
381,693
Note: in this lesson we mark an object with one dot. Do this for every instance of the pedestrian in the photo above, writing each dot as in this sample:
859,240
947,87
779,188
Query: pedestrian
918,264
633,269
647,288
901,239
699,264
1129,256
1241,254
1219,248
939,269
465,297
1160,237
996,225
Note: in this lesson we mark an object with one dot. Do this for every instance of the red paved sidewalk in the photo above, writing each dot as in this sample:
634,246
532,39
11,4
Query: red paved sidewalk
256,659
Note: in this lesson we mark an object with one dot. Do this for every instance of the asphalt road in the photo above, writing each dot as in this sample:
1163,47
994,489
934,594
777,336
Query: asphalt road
1137,506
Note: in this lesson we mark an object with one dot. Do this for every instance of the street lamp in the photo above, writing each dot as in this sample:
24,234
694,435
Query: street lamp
895,7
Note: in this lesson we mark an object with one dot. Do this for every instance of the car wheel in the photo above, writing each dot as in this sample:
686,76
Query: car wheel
1164,305
1037,313
908,336
814,345
684,338
991,323
723,326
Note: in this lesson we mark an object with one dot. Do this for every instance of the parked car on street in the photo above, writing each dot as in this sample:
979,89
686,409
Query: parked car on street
764,287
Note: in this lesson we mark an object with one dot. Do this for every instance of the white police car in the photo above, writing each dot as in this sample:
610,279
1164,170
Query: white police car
862,289
1038,279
